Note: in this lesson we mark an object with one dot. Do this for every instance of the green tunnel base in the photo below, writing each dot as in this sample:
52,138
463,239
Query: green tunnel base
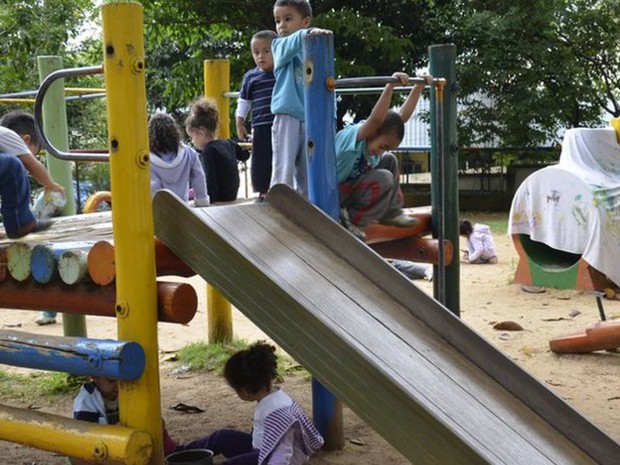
543,266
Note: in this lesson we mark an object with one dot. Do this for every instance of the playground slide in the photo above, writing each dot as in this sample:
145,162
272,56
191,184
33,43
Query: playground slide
431,386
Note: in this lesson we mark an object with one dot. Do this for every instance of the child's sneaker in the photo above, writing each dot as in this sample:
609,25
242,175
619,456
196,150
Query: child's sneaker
401,221
45,320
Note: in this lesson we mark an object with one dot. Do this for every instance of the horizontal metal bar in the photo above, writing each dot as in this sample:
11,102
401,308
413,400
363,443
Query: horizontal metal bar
38,113
369,90
68,90
85,97
372,81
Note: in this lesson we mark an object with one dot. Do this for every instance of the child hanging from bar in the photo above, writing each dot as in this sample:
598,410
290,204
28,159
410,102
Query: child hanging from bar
368,174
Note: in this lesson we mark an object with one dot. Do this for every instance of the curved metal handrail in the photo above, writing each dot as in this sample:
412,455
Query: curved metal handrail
38,114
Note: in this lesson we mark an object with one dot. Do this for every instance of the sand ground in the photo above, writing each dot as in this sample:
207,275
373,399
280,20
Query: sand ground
589,383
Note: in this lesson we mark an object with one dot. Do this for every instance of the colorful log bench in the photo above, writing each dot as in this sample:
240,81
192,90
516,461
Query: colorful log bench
80,356
54,271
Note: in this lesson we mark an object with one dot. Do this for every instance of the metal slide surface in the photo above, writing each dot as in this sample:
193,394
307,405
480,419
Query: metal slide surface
430,385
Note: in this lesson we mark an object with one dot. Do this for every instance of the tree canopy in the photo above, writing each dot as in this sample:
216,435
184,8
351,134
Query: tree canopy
526,68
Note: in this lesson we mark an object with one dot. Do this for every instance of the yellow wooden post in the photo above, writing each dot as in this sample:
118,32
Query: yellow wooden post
217,84
615,123
132,215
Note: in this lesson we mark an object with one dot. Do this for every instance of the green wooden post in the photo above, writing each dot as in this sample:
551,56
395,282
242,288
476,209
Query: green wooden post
442,59
55,127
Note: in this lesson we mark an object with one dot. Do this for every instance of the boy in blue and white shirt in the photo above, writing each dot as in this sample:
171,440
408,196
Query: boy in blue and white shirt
292,18
255,95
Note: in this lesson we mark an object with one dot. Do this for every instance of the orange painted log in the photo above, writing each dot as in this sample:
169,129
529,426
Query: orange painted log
176,302
601,335
102,265
415,249
377,232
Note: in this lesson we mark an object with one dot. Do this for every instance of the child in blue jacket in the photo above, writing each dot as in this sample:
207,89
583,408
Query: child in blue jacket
292,18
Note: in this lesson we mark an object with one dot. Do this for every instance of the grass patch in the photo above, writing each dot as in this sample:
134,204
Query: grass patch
201,356
497,221
39,384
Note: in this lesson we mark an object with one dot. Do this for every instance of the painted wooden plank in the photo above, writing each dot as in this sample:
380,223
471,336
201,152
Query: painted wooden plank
92,227
370,335
78,356
88,441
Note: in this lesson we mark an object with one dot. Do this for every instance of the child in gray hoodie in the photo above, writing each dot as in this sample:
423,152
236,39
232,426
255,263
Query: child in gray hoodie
174,165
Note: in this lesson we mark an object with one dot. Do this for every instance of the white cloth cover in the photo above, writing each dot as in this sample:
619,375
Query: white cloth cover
574,206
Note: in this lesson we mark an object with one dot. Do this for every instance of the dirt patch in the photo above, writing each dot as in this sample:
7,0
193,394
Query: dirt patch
589,383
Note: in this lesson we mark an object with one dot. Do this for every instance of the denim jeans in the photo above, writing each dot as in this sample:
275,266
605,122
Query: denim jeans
15,194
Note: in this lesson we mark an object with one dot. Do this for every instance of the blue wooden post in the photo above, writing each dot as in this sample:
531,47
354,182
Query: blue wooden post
320,111
78,356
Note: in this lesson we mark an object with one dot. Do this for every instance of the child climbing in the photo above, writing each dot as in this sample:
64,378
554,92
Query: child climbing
368,175
292,18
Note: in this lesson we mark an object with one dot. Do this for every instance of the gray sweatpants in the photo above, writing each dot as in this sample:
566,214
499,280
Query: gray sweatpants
375,194
290,160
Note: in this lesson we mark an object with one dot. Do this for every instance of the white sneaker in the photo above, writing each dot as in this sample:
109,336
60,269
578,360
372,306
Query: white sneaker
45,320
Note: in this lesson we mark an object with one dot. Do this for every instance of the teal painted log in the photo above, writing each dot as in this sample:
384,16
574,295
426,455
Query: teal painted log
77,356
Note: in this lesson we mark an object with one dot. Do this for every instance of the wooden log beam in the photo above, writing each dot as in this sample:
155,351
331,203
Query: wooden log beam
45,258
415,249
377,232
176,302
102,264
76,355
73,266
74,438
